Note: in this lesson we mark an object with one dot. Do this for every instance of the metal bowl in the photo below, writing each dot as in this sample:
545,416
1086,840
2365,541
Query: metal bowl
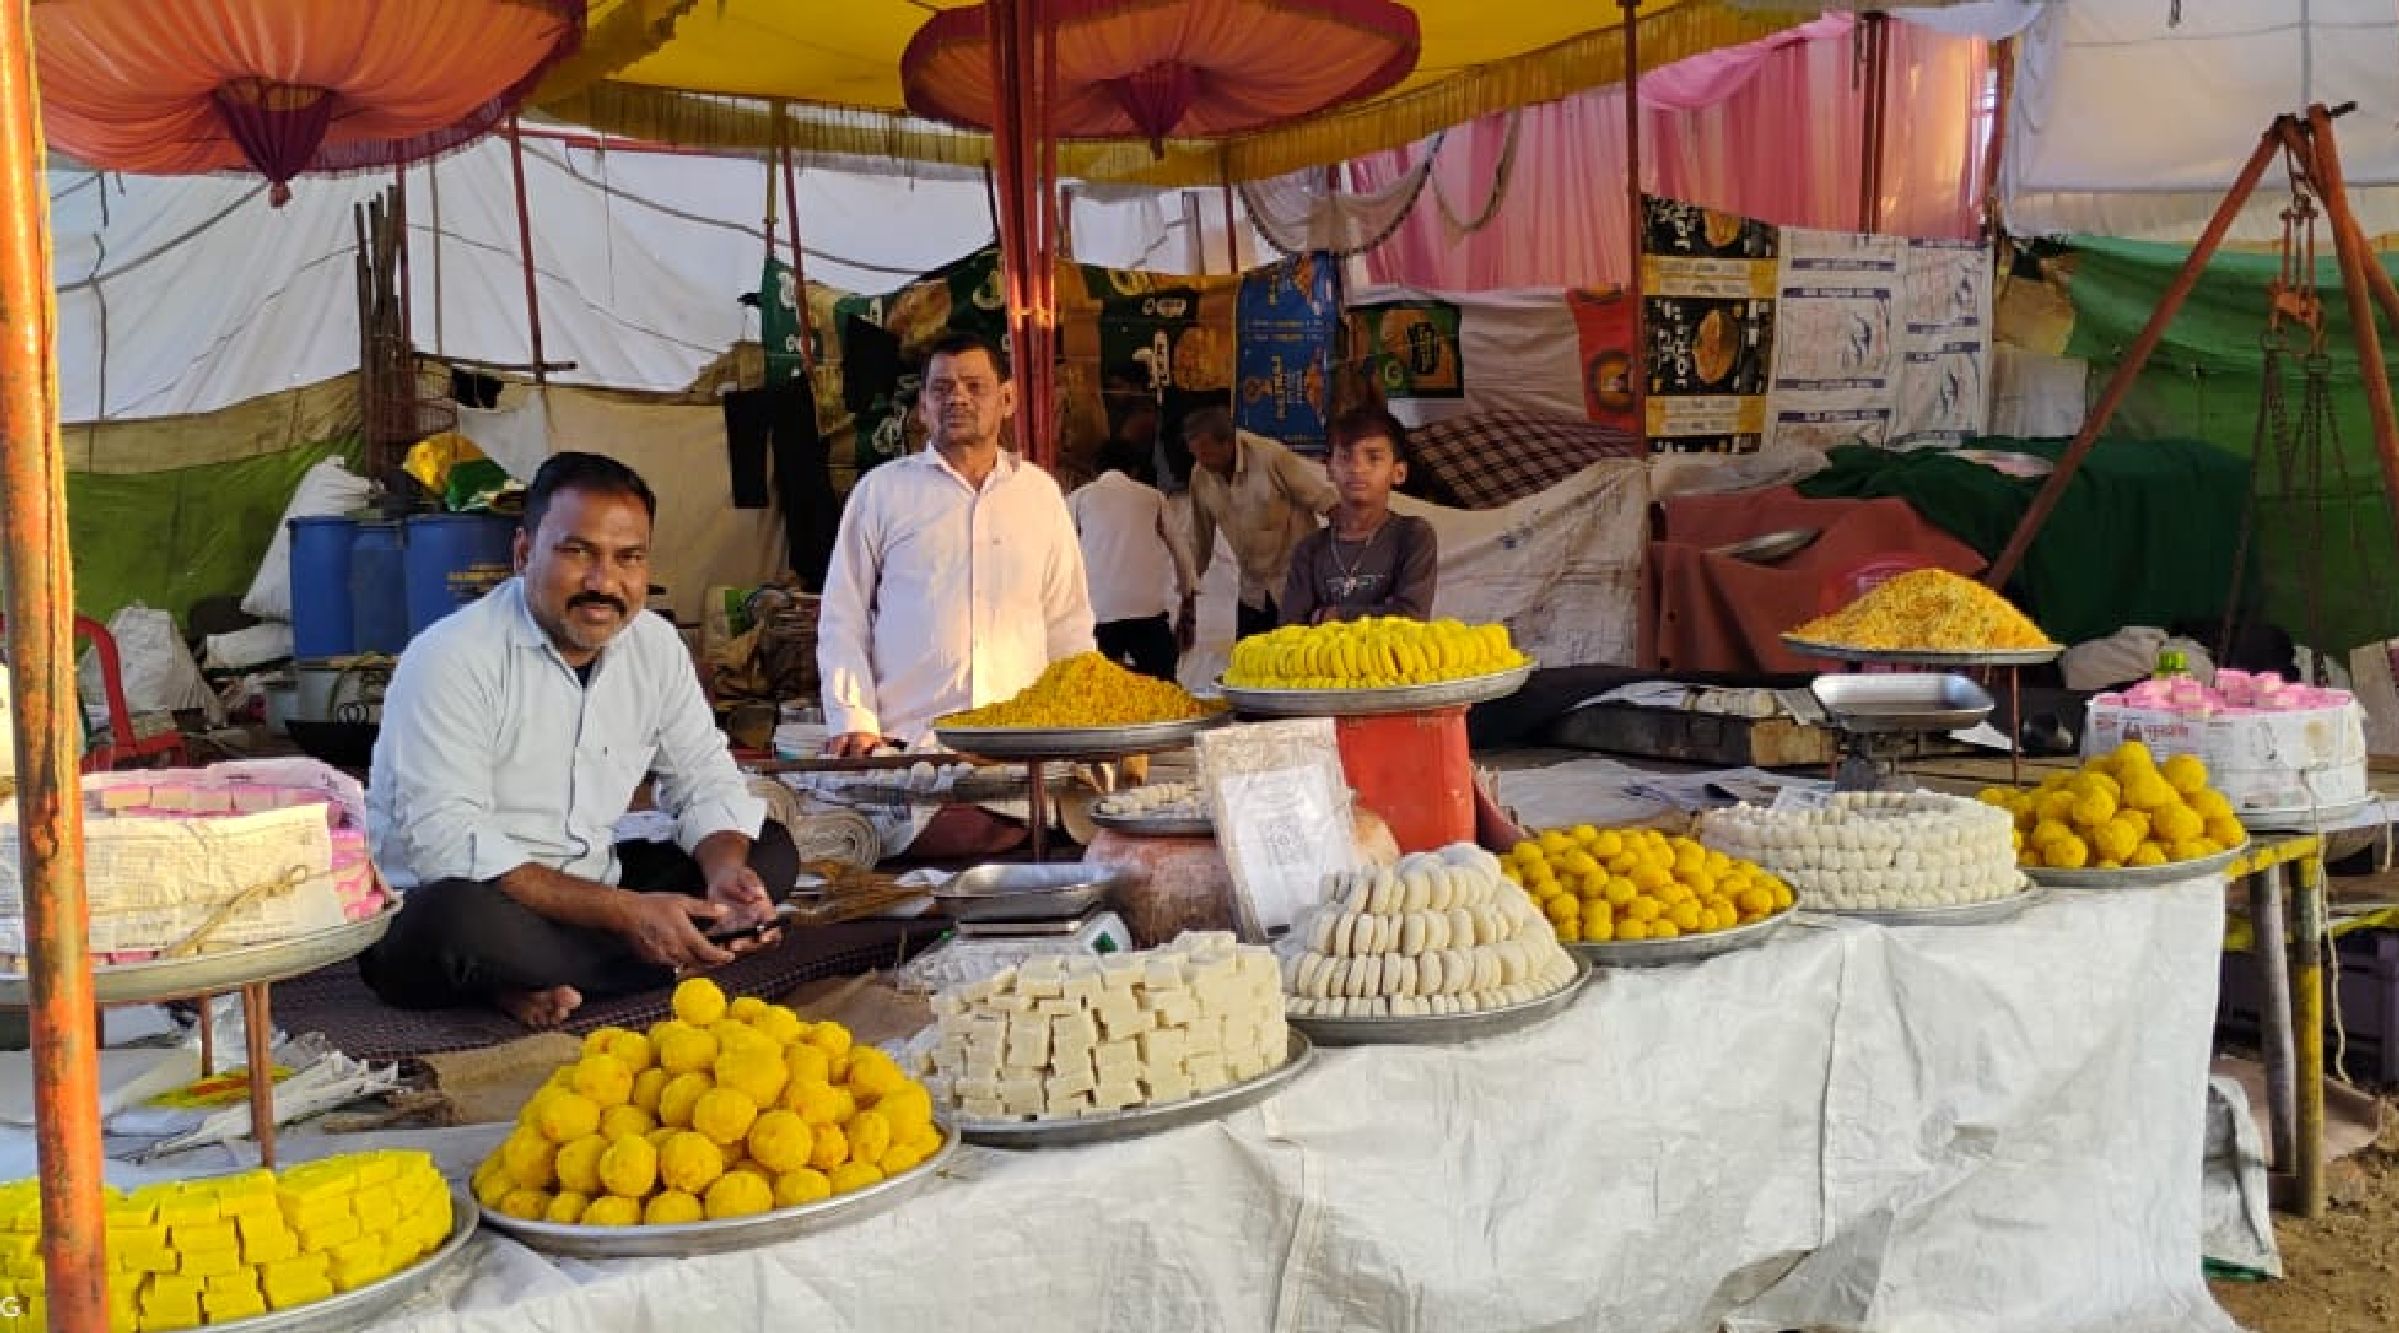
1911,702
1771,547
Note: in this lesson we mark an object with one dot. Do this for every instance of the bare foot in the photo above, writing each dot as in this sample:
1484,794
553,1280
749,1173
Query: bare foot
540,1009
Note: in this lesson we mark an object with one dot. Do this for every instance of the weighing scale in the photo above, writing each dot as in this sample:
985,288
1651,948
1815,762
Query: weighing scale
1882,718
1006,914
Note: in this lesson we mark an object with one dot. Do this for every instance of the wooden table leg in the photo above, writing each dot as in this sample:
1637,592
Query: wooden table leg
258,1027
2307,985
2275,1029
1037,809
208,1036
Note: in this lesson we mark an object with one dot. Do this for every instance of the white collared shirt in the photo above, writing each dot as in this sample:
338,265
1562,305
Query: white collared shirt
494,755
943,597
1136,566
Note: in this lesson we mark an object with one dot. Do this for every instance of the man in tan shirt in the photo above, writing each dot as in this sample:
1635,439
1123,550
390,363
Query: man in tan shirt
1267,500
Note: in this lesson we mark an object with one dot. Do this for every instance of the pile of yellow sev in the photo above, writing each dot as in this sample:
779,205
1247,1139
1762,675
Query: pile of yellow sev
1086,690
1927,610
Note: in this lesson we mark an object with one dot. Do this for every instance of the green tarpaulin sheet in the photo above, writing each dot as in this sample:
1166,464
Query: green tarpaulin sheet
170,538
2144,536
2325,546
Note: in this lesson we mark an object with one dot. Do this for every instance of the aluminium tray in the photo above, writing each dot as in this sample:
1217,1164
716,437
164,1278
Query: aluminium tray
1682,948
1914,702
1073,742
2136,877
370,1303
683,1240
1442,1029
1375,702
1156,826
1050,891
1135,1122
1925,657
1952,914
2295,819
219,970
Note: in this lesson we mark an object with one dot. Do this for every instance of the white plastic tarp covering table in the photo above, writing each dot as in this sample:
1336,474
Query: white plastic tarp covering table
1930,1130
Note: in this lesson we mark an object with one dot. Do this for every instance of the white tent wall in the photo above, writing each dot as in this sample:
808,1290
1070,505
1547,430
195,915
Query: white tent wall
2131,117
186,295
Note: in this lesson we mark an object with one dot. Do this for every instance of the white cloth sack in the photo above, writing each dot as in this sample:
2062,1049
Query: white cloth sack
158,672
326,489
266,641
517,436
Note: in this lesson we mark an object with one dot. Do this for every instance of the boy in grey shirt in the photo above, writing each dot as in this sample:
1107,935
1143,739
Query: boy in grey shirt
1367,561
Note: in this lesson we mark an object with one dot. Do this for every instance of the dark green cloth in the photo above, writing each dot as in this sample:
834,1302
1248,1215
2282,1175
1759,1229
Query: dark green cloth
2144,535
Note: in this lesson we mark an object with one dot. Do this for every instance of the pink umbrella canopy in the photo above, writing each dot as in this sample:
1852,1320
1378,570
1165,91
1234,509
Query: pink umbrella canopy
282,87
1153,70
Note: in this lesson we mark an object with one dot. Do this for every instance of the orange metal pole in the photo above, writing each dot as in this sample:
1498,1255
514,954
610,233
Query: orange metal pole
41,608
524,244
2136,356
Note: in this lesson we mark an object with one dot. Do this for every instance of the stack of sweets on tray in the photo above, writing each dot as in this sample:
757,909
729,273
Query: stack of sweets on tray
1069,1036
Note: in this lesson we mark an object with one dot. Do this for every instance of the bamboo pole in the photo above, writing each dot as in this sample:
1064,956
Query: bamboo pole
1875,38
791,230
2307,1016
2128,370
40,609
2269,952
2348,242
524,245
1232,238
1636,369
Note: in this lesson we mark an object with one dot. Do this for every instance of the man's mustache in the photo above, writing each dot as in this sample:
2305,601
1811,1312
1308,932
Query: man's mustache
596,599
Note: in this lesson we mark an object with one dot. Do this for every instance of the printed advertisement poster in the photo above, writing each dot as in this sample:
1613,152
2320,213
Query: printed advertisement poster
1286,321
1881,341
1708,310
1603,331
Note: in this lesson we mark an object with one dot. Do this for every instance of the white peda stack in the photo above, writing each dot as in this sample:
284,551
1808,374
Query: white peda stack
1877,851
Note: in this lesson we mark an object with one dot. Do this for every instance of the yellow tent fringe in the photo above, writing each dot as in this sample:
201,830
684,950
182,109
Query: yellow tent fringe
1594,59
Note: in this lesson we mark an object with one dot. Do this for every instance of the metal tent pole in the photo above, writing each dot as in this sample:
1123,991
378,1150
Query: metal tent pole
41,608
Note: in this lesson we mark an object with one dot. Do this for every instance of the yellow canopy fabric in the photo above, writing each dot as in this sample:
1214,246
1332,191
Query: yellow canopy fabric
834,65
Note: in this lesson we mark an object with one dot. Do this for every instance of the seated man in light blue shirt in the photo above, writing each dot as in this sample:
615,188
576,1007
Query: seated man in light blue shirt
514,734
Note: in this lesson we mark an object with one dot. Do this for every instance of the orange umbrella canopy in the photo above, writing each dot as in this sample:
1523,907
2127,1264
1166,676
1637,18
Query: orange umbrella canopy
1141,69
174,87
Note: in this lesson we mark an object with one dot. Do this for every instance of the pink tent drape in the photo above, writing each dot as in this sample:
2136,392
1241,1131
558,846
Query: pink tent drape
1769,130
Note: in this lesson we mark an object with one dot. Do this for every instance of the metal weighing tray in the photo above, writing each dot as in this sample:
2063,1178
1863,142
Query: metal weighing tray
1953,914
1926,656
370,1303
1110,1126
2293,819
1048,892
2136,877
1922,702
1441,1029
218,971
1374,702
1073,742
683,1240
1682,948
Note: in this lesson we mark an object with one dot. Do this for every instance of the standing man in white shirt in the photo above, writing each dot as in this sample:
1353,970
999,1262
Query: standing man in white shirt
1265,497
514,735
956,577
1131,554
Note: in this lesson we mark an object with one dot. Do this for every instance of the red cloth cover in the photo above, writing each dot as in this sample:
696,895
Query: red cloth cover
1703,612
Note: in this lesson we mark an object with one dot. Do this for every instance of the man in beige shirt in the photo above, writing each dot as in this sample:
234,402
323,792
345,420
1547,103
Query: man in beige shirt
1265,497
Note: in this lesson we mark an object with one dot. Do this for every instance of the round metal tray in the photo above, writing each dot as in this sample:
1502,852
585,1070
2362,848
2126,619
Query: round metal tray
2136,877
1953,914
2296,820
1110,1126
223,970
682,1240
1682,948
1773,546
1442,1029
370,1303
1924,657
1369,703
1073,742
1155,826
